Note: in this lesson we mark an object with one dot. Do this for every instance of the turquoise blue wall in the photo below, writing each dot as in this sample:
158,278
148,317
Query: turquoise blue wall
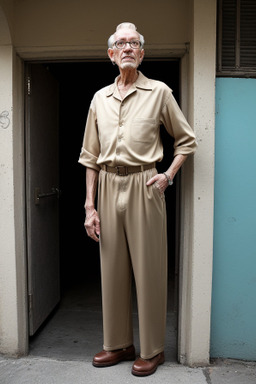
233,330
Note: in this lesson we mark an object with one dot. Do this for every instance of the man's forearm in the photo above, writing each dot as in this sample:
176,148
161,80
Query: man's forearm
175,166
91,187
92,221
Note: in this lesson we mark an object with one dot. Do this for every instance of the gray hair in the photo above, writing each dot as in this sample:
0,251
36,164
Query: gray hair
111,40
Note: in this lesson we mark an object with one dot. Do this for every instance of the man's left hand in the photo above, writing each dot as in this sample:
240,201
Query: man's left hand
160,180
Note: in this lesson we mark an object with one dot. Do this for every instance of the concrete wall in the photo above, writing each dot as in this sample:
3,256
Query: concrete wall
233,332
198,190
12,268
50,28
13,306
79,22
8,311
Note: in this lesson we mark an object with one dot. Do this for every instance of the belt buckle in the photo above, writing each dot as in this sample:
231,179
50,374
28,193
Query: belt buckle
122,170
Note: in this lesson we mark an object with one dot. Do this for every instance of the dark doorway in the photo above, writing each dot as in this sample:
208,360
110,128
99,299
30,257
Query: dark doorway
78,83
79,255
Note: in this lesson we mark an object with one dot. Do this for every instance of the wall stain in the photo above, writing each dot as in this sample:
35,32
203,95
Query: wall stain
4,120
207,373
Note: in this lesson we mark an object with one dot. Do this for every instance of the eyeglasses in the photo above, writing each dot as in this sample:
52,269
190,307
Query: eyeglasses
134,44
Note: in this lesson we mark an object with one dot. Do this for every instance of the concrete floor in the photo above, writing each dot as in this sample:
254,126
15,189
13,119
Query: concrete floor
48,371
61,352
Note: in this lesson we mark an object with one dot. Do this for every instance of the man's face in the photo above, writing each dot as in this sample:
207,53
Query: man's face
126,57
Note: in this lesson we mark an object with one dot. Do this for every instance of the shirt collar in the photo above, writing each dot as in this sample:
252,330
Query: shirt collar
142,82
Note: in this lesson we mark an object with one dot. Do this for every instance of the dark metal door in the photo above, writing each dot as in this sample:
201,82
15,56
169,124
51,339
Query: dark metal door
42,194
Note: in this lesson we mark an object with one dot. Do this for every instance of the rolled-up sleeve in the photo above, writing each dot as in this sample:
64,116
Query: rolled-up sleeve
177,126
91,146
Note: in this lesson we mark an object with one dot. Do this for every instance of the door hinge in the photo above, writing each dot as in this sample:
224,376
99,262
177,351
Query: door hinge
30,301
28,85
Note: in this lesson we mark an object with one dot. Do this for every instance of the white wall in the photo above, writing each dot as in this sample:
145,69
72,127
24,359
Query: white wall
8,287
13,305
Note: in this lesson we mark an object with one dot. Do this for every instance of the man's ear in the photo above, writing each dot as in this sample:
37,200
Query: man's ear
142,54
111,54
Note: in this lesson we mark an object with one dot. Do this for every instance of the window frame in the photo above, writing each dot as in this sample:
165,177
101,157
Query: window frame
237,70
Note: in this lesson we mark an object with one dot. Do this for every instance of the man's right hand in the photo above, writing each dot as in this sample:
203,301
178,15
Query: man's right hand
92,224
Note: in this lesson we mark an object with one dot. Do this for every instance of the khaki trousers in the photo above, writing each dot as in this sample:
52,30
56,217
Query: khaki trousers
133,240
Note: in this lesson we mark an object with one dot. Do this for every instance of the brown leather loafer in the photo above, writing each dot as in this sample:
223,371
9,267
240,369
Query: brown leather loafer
109,358
145,367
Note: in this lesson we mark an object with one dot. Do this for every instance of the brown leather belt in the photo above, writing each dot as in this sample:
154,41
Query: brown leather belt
122,170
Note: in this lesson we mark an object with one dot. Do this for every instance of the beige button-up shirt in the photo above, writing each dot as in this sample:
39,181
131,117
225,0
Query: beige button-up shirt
127,132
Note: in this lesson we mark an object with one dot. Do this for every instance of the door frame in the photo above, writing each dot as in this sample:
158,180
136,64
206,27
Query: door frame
159,56
182,250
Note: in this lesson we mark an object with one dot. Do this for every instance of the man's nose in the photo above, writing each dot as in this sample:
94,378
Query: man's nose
127,47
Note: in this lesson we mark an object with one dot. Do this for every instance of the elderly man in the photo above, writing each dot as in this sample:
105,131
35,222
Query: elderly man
120,148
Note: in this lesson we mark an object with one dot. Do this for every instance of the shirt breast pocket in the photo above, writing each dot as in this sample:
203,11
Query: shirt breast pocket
143,130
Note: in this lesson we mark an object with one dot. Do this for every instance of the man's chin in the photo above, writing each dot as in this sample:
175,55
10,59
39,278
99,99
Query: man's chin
128,65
